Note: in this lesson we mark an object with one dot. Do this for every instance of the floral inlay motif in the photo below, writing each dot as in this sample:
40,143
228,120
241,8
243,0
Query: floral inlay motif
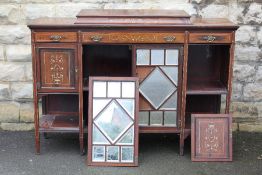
211,138
57,67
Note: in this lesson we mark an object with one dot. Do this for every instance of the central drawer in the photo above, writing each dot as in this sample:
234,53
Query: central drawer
132,37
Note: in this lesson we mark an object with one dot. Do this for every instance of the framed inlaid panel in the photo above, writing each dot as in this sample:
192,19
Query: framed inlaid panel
58,68
112,121
211,137
159,71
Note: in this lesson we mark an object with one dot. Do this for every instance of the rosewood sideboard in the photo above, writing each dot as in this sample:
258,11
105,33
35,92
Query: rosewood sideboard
184,66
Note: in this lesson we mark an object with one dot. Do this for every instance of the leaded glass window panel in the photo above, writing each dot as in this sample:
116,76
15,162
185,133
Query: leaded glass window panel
112,121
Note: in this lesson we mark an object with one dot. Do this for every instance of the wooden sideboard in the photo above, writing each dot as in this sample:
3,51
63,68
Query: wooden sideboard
190,58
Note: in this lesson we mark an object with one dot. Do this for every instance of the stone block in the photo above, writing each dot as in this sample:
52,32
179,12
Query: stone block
253,91
28,71
33,11
236,12
9,111
237,91
245,111
212,11
5,92
2,57
15,34
250,127
259,36
27,112
9,14
17,126
22,91
244,72
246,34
18,53
258,77
253,14
247,53
12,71
71,9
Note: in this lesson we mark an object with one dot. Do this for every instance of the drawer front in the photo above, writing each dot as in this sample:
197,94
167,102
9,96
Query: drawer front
55,37
132,37
210,37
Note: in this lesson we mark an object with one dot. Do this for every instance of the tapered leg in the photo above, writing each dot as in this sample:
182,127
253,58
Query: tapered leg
181,144
81,143
36,117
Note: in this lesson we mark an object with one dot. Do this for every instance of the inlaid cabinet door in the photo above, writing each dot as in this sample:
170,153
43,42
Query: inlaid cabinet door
211,137
57,68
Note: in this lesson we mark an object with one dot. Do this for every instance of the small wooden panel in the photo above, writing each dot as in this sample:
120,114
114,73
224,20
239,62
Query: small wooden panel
210,37
57,69
55,36
211,137
132,37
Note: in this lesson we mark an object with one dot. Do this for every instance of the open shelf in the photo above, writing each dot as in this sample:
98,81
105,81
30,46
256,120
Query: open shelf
206,87
208,69
58,123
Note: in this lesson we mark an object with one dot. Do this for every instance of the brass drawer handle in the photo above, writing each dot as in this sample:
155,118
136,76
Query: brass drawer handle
56,37
209,38
169,38
96,38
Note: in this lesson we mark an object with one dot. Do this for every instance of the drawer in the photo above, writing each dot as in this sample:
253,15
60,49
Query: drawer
132,37
55,36
210,37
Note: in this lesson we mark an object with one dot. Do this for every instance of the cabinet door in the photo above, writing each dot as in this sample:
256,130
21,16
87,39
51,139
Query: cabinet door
57,68
159,71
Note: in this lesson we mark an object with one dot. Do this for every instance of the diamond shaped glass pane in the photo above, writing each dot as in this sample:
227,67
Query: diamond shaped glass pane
113,121
156,88
171,72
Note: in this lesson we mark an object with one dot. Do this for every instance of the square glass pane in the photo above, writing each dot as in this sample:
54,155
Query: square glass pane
99,89
112,153
128,89
172,57
170,118
98,154
127,154
143,118
156,117
113,89
142,57
157,57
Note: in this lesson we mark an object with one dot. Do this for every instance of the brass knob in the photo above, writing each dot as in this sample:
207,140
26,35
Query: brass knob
56,37
169,38
209,38
96,38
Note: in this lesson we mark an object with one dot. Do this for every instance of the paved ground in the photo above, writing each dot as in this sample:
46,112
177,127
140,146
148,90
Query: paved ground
158,156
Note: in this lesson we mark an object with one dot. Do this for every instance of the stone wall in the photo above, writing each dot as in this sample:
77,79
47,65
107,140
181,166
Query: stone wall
16,109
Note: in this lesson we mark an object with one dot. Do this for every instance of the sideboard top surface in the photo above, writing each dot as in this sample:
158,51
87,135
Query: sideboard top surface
132,19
